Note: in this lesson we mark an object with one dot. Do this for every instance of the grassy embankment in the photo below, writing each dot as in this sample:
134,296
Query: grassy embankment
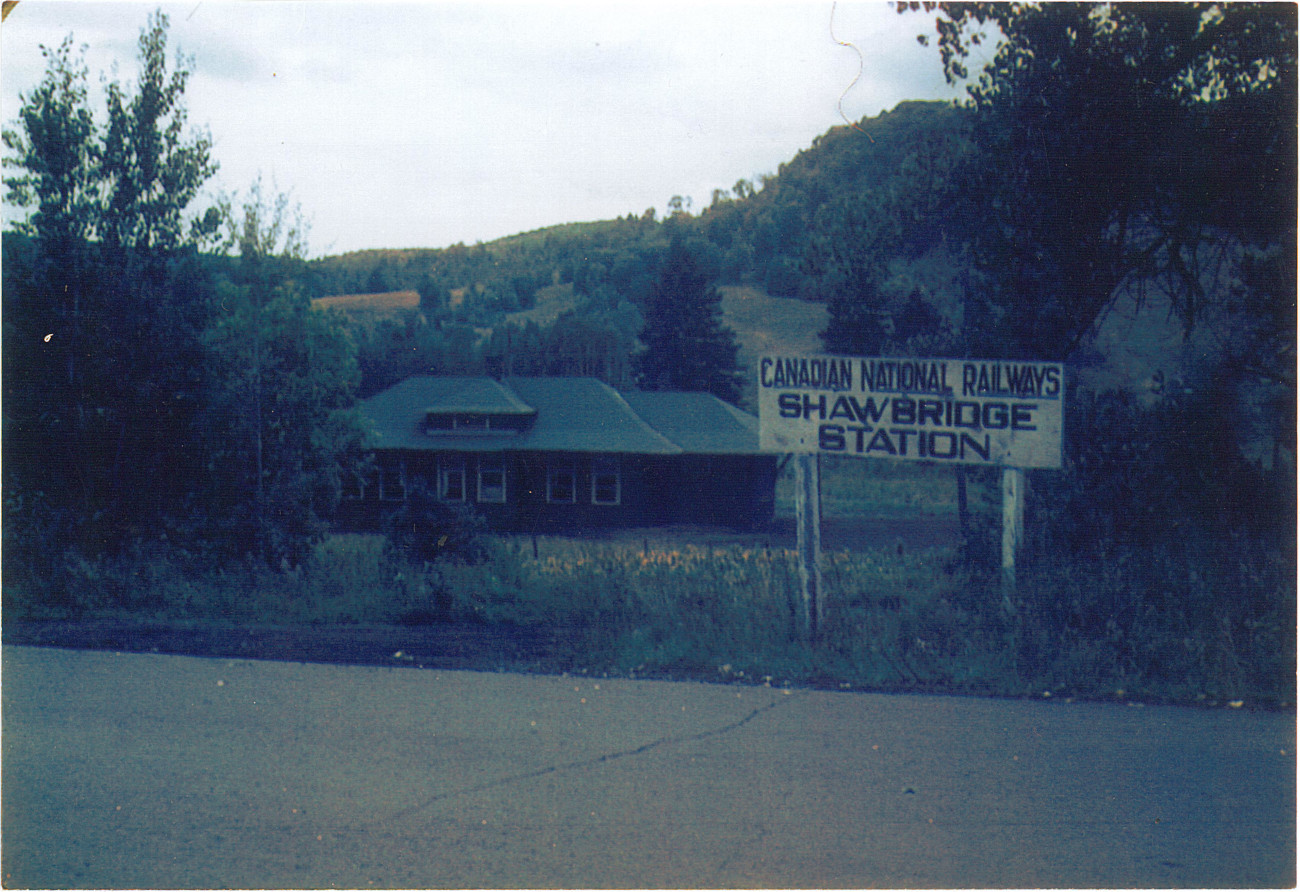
721,607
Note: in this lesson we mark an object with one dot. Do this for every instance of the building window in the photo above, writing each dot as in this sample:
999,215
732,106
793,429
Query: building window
606,482
352,486
491,480
561,484
451,480
361,485
472,423
370,483
438,423
392,482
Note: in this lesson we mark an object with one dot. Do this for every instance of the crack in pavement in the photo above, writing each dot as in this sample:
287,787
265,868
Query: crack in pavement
583,763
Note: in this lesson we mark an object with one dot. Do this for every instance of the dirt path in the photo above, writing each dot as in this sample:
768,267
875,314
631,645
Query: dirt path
440,645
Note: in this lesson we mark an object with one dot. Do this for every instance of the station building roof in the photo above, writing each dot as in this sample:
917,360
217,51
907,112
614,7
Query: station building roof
555,414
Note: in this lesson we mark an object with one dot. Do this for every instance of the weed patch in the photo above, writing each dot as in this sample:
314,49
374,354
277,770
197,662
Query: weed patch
921,620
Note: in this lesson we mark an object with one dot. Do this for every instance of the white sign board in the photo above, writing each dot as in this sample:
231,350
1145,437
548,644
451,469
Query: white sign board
952,410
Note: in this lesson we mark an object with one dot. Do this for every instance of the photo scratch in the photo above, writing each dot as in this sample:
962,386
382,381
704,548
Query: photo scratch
839,105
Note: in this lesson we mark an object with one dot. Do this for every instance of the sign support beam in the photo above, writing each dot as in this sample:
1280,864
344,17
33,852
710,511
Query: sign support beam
807,510
1013,531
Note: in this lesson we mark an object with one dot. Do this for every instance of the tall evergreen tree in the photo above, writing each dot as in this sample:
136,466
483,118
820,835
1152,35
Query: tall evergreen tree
850,258
686,345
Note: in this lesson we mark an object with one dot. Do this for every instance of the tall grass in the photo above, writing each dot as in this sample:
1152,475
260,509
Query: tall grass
730,612
917,621
347,579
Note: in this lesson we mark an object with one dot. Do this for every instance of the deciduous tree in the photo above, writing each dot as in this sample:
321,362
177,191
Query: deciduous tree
281,382
107,324
1121,145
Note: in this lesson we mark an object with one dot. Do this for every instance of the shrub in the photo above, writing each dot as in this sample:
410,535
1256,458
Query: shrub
426,530
1160,552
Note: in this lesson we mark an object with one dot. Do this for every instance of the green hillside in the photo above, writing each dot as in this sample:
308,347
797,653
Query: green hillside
767,324
753,233
571,298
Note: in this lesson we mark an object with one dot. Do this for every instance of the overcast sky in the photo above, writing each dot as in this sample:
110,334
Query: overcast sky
422,124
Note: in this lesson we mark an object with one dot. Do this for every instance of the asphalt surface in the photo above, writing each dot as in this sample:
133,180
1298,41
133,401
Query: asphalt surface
149,771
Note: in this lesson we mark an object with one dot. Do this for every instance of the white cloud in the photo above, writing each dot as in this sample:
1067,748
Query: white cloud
423,124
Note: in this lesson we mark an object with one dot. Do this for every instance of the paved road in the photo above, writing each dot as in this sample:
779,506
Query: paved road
148,771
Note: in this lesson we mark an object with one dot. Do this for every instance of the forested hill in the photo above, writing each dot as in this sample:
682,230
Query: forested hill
750,232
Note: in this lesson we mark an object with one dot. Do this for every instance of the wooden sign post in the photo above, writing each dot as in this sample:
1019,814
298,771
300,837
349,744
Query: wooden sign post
1013,530
808,532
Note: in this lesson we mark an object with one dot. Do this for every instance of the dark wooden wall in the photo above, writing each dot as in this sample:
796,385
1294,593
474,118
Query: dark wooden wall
731,491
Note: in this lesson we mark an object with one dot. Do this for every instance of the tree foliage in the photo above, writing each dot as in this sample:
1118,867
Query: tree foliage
1119,145
152,168
686,345
103,328
278,419
864,241
152,389
56,150
1143,152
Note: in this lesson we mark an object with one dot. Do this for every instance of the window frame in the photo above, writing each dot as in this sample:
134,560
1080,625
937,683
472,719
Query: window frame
607,467
490,465
447,467
392,476
555,470
472,423
355,486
